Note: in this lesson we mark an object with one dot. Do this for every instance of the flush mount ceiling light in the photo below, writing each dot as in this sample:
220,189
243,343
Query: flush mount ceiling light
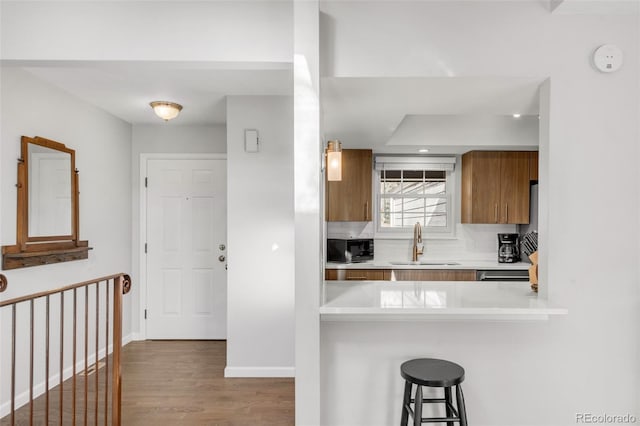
334,160
166,110
423,150
516,115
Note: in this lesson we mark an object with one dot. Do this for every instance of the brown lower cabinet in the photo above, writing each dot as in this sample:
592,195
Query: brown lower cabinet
433,275
357,274
400,274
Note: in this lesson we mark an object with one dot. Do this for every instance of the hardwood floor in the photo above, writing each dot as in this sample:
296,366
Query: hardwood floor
182,383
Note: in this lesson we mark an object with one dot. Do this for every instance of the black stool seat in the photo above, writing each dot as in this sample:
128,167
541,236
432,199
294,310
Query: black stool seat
432,372
435,373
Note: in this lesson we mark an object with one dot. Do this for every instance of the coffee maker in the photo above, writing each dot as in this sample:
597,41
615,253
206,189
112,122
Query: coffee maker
508,248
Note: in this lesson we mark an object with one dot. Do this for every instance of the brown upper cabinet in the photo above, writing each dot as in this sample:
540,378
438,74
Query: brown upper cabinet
533,166
350,198
495,186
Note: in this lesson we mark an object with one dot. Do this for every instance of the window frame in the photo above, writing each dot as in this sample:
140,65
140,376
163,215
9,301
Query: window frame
447,232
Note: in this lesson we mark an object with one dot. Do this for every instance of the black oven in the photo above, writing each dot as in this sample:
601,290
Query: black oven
349,251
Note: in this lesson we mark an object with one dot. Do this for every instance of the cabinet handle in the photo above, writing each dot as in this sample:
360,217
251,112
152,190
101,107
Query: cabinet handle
366,210
496,212
507,213
357,278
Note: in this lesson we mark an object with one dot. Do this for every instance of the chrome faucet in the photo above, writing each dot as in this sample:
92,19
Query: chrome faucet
418,245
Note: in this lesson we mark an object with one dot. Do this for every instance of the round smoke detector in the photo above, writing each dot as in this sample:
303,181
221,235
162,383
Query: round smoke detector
608,58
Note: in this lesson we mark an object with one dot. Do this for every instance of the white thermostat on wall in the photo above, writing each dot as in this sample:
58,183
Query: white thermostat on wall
251,141
608,58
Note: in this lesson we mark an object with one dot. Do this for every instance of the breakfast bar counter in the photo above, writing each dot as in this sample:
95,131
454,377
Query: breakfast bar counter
427,301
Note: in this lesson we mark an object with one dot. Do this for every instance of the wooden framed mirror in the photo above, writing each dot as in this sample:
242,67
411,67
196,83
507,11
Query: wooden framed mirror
48,210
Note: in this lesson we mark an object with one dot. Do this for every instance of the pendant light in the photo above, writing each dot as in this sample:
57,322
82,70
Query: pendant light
166,110
334,160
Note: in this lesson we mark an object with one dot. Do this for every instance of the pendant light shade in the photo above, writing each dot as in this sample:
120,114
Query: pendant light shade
334,161
166,110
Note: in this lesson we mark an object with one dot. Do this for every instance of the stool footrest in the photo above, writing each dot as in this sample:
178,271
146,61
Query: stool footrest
454,412
431,400
436,401
439,419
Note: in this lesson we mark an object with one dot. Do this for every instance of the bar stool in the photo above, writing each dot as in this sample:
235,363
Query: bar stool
432,373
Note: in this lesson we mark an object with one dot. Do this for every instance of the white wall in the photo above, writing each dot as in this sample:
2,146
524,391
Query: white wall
102,142
517,373
455,131
260,310
169,137
221,31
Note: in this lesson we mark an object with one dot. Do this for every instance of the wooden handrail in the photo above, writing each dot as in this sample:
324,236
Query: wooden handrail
121,285
125,289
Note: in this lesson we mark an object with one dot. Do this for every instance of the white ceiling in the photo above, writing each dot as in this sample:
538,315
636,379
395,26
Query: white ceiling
125,89
366,112
361,112
595,7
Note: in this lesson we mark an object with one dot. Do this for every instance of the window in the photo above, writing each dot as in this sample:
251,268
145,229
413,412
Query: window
411,190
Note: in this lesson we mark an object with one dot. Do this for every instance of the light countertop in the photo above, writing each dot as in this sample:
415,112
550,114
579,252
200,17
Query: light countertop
444,300
431,264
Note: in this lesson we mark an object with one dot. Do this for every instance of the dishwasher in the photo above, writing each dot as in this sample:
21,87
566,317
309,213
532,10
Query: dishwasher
502,275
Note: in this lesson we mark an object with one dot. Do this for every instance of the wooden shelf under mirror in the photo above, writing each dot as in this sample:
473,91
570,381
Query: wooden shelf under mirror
47,213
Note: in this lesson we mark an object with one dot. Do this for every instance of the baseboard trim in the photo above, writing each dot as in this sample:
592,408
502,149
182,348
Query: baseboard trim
128,339
259,372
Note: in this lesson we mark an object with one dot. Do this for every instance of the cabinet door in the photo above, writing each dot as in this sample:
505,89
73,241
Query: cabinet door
514,187
533,166
357,274
481,187
433,275
350,198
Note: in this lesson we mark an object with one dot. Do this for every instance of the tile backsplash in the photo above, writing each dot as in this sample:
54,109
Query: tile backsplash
471,242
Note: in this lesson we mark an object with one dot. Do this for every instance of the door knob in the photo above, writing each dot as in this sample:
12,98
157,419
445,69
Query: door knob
221,258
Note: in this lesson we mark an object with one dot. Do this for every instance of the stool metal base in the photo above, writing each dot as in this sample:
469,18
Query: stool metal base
453,415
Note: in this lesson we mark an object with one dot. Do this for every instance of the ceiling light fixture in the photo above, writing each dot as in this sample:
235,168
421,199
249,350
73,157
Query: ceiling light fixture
166,110
423,150
334,160
517,115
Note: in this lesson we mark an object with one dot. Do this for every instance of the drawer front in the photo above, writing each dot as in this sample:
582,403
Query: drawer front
357,274
433,275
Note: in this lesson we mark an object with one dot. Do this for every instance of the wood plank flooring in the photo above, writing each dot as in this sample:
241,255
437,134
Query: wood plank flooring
182,383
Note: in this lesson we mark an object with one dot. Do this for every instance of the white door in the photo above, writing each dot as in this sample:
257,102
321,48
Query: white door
186,238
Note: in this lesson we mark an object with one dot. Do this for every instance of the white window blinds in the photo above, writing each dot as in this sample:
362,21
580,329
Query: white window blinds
415,163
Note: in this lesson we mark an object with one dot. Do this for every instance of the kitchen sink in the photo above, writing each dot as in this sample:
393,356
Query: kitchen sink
409,262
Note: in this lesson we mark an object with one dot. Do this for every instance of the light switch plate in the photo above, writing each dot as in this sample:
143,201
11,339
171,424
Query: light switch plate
251,140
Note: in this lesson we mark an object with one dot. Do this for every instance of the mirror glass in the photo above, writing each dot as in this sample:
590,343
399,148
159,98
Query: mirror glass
49,192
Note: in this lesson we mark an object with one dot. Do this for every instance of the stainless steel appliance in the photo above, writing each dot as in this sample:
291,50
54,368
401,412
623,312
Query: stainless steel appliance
508,248
502,275
349,251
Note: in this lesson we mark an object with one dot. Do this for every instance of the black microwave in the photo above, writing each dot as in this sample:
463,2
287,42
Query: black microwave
349,251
